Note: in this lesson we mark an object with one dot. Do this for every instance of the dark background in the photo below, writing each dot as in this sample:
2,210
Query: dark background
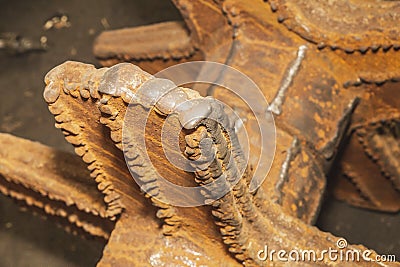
29,240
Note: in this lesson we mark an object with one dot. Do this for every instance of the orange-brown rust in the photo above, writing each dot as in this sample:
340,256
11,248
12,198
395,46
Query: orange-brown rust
95,122
347,28
53,181
320,97
148,45
342,85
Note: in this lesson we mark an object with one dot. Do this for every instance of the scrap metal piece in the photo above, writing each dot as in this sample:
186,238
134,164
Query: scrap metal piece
361,183
89,106
250,37
347,27
150,42
54,181
91,117
236,214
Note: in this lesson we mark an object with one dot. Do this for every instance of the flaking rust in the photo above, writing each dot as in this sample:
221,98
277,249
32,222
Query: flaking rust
242,221
55,182
323,89
327,80
348,28
101,111
246,222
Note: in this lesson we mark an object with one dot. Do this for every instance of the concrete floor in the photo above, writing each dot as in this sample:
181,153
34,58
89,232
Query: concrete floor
28,240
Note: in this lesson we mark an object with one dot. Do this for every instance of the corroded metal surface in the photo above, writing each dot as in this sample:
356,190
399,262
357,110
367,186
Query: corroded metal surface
348,25
149,45
328,70
245,221
54,181
323,92
91,118
95,111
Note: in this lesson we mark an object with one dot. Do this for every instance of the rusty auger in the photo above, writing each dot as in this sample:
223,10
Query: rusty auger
333,86
313,70
91,108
